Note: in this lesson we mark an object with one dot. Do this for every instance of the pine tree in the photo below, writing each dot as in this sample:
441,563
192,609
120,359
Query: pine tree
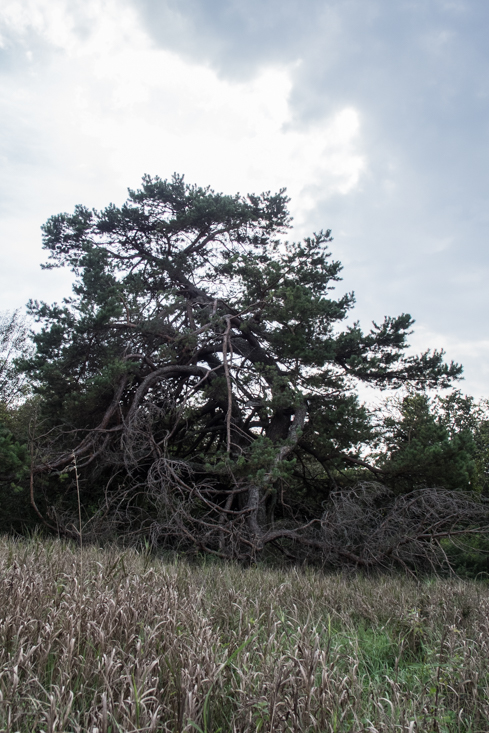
201,369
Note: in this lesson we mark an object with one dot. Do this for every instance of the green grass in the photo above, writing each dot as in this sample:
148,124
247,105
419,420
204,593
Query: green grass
119,641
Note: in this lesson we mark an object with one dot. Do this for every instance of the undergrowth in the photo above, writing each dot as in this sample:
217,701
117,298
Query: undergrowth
108,641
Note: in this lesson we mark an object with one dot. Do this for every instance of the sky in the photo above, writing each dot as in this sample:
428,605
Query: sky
373,114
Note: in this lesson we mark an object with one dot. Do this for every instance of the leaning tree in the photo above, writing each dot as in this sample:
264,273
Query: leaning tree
200,375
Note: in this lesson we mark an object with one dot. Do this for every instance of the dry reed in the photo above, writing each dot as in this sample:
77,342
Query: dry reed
127,642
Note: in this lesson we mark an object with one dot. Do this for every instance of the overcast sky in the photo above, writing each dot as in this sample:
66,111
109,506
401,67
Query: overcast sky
373,113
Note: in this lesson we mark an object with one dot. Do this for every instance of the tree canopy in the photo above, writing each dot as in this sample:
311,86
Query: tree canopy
203,371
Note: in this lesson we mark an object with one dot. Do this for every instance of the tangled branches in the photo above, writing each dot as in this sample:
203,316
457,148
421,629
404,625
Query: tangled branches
370,526
367,526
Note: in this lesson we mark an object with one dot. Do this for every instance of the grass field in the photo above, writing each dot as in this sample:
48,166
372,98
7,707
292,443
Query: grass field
105,640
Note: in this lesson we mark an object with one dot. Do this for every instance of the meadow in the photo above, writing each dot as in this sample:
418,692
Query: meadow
111,640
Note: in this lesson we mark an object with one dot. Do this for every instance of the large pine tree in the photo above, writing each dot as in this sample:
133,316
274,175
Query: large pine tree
201,369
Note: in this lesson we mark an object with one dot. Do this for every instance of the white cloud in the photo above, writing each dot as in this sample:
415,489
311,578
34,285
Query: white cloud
145,109
99,105
473,354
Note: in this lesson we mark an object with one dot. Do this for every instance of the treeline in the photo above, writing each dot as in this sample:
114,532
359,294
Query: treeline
199,390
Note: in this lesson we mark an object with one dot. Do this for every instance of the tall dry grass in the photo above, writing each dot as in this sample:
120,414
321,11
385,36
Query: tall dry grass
123,642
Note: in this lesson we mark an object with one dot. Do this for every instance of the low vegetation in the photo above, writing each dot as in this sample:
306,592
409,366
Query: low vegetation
105,640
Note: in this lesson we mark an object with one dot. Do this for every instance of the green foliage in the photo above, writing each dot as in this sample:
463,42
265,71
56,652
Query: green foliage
463,414
469,557
14,472
13,456
423,448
